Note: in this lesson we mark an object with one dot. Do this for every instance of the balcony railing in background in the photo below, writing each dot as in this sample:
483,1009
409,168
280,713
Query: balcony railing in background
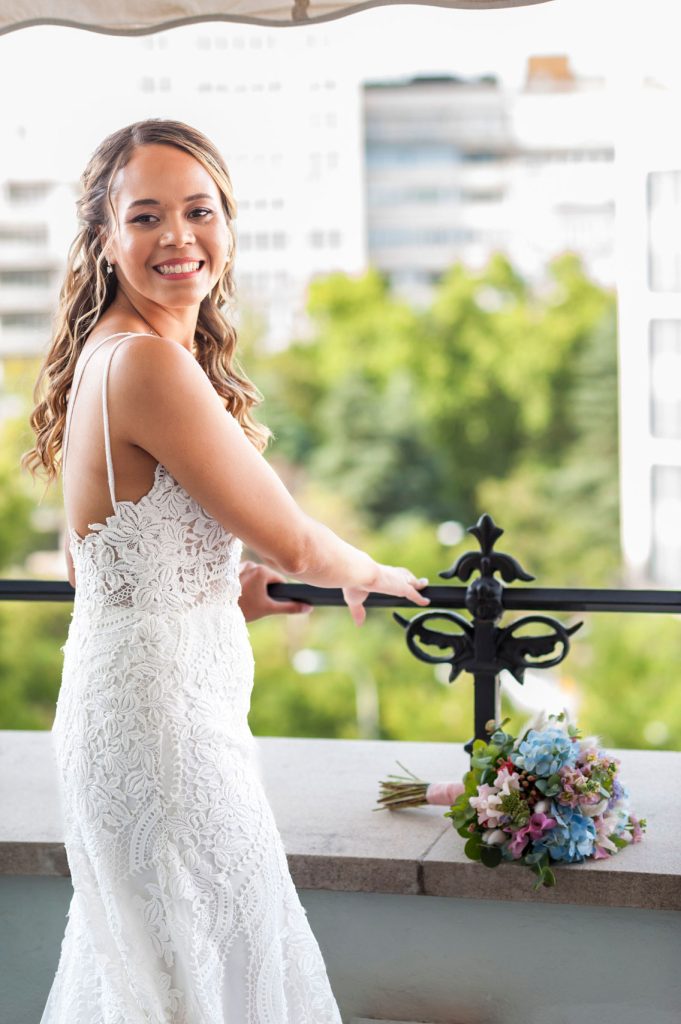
480,646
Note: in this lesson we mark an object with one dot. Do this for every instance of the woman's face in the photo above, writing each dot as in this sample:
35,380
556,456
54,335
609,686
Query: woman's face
169,212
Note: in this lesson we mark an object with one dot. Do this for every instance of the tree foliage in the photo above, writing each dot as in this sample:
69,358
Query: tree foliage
499,397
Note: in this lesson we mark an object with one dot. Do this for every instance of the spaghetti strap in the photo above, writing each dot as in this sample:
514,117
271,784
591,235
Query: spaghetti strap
105,414
78,375
75,384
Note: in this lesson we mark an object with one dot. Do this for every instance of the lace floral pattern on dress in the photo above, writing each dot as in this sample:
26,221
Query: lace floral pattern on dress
186,559
183,910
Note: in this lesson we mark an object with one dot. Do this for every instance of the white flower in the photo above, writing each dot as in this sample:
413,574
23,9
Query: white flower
593,810
507,781
494,837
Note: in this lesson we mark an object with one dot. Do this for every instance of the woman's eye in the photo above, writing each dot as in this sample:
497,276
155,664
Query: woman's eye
141,218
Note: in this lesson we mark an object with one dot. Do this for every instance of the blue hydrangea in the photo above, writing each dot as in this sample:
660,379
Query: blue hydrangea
572,839
544,752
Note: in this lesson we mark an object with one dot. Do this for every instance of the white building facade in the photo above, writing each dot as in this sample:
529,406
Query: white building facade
457,169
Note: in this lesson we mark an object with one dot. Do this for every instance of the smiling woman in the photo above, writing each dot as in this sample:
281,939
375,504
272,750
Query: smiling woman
184,909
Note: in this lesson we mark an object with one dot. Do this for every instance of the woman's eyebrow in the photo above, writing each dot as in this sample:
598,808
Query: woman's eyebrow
155,202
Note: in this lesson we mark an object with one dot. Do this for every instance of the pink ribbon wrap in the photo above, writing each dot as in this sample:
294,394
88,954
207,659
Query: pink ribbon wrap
444,792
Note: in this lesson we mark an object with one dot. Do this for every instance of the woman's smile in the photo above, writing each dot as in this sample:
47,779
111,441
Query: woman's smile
180,269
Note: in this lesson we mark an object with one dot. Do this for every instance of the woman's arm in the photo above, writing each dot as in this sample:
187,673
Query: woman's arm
161,400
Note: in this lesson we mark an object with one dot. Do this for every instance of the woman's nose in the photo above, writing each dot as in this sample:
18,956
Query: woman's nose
180,233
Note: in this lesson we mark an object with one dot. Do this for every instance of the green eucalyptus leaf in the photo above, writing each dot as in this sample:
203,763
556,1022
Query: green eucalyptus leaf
472,847
490,856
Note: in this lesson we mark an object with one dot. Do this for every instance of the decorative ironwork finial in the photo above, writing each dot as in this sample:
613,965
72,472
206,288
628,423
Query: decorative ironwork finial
482,648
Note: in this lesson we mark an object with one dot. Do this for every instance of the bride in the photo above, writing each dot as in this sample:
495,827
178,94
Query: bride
183,907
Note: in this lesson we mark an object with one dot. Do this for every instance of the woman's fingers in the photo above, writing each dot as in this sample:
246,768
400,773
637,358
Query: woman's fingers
291,607
416,596
358,612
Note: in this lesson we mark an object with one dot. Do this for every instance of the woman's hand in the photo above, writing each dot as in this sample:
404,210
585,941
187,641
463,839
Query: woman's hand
389,579
255,602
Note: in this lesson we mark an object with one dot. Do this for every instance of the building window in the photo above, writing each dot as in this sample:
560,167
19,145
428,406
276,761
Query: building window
665,378
28,191
666,542
390,154
428,236
324,239
25,320
664,240
25,234
25,278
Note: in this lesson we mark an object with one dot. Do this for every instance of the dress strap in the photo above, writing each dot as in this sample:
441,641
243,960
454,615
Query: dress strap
105,412
75,384
77,377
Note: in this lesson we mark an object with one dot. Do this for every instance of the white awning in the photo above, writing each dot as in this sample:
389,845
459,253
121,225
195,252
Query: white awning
132,17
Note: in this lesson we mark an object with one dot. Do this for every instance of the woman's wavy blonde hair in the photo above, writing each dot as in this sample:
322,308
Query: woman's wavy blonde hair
87,292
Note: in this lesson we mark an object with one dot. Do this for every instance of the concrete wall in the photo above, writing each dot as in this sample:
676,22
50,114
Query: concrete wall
419,958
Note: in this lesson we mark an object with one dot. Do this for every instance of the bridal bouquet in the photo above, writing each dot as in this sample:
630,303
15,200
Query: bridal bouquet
546,796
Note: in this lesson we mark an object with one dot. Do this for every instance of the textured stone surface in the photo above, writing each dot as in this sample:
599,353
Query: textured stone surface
323,793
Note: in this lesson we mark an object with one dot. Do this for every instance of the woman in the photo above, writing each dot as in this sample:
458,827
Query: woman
183,909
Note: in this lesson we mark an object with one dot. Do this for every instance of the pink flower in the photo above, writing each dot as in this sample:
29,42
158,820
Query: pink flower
535,828
538,824
518,842
488,805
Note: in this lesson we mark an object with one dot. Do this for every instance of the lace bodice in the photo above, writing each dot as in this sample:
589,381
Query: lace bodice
162,552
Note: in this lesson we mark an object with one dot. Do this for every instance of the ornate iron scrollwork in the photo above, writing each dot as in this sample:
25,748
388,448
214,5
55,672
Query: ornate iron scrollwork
482,647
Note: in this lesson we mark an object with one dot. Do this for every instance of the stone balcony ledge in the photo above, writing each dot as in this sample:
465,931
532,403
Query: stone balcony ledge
323,792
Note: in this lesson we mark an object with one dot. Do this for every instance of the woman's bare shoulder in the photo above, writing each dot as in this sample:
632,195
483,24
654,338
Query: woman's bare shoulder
153,358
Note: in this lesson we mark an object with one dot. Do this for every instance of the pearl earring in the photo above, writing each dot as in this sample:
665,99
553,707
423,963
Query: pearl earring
109,268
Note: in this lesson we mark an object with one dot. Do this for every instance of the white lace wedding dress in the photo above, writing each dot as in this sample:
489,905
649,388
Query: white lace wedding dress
183,910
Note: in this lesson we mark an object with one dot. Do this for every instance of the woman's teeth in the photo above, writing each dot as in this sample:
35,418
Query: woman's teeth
178,268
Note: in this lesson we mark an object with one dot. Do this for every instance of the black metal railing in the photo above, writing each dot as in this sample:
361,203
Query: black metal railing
480,645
